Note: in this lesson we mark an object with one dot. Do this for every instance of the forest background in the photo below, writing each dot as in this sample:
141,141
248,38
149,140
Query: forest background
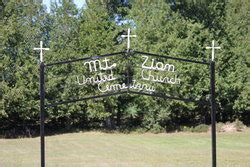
167,27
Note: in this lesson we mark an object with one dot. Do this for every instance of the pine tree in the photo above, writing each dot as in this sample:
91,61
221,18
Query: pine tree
98,35
233,64
21,27
163,31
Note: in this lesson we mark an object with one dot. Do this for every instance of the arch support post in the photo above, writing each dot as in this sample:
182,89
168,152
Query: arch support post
42,113
213,111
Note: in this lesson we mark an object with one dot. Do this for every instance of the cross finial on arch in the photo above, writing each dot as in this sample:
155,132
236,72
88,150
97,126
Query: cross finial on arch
41,49
213,47
128,36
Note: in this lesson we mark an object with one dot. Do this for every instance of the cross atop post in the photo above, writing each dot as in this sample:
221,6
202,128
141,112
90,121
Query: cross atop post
128,36
41,50
213,47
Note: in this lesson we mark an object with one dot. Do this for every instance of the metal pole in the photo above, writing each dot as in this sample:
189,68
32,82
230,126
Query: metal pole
42,111
213,112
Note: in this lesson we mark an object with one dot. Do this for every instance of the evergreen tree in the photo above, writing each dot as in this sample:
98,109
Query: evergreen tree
175,28
233,66
98,35
63,32
21,29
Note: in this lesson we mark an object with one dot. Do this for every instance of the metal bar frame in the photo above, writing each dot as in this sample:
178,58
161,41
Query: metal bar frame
85,58
42,113
213,111
85,98
130,52
172,58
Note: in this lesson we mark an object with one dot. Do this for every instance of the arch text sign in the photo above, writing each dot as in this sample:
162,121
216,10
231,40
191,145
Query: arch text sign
132,72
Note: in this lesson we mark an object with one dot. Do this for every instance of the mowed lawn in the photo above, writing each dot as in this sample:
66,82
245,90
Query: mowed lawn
140,150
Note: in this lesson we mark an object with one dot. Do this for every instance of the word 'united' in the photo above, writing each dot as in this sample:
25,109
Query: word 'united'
101,79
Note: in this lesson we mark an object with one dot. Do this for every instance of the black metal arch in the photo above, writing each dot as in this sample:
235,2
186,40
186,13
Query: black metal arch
126,54
131,52
85,58
173,58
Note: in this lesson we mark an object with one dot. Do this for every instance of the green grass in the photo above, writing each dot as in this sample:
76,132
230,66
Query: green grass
140,150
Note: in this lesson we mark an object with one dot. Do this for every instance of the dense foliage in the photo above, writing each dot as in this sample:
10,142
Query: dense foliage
177,28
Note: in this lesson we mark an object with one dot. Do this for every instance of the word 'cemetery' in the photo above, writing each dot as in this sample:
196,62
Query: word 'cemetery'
146,74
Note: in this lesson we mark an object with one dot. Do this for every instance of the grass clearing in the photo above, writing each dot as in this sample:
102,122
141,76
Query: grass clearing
97,149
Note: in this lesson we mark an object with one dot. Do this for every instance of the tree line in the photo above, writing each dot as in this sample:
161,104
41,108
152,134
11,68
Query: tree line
171,27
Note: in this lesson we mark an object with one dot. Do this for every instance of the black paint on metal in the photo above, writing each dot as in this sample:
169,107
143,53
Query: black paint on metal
173,58
166,97
42,113
124,92
84,59
213,111
131,53
85,98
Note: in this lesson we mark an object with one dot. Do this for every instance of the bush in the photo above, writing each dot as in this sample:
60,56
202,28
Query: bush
200,128
239,125
141,130
219,127
157,129
185,129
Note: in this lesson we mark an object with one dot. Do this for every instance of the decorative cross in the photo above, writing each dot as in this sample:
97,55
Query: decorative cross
128,36
213,47
41,50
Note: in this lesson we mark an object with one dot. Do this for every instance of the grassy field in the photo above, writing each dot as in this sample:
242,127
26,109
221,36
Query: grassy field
140,150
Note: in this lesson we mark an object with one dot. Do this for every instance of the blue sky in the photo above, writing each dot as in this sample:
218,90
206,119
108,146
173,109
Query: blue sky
79,3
